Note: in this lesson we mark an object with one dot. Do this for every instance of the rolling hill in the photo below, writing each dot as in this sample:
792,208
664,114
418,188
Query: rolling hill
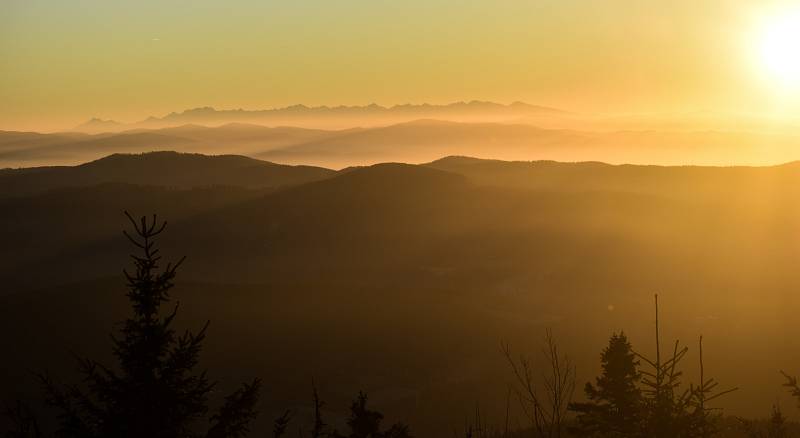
169,169
706,183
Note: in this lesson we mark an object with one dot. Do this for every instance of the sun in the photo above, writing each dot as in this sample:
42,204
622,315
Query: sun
779,50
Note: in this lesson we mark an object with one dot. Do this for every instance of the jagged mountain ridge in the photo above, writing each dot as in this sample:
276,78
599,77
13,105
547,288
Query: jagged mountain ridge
341,116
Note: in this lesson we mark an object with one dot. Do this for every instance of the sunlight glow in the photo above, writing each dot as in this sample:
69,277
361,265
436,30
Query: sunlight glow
780,51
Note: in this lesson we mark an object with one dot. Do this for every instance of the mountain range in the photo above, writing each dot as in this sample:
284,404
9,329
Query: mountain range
331,117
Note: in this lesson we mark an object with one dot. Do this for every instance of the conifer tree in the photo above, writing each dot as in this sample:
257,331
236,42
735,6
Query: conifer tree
363,422
670,411
320,428
704,418
280,424
366,423
154,391
615,402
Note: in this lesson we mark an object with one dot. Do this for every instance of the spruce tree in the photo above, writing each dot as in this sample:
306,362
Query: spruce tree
363,422
366,423
154,391
614,401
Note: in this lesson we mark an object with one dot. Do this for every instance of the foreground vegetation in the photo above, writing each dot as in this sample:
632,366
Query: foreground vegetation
156,391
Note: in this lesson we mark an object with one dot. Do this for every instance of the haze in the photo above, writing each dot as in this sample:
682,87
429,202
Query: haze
64,62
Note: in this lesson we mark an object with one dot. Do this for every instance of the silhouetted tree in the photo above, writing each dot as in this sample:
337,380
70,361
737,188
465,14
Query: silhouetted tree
366,423
665,404
775,427
319,428
792,384
236,413
669,411
363,422
479,427
544,401
704,418
154,392
615,403
280,424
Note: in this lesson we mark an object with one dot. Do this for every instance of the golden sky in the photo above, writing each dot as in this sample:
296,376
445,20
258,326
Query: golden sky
62,62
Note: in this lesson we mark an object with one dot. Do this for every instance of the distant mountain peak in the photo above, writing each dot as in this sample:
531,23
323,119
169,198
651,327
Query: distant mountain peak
201,110
96,124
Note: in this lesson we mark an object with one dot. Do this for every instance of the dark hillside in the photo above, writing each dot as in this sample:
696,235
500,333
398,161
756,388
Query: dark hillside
168,169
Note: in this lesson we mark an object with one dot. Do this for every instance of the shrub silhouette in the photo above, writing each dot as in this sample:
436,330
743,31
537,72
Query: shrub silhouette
154,391
775,427
366,423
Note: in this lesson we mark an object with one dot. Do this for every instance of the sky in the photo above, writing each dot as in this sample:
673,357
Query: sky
62,62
